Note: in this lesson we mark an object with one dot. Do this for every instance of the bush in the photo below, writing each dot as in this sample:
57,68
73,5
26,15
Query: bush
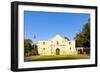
34,52
86,51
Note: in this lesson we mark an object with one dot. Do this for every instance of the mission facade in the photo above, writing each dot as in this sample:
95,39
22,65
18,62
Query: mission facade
56,46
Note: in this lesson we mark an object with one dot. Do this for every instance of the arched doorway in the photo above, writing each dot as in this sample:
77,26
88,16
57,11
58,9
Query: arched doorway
57,51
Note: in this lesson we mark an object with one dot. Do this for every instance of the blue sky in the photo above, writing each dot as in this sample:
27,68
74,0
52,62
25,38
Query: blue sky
45,25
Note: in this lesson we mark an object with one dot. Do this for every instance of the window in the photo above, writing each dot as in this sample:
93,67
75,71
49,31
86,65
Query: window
43,43
43,48
69,43
57,43
70,48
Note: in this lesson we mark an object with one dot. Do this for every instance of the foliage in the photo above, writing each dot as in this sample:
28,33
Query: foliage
86,51
29,49
34,50
27,46
66,38
83,37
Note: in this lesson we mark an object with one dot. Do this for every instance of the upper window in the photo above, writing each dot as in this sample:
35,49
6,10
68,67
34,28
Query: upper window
57,43
43,43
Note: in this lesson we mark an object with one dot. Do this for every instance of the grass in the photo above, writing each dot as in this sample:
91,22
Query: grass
55,57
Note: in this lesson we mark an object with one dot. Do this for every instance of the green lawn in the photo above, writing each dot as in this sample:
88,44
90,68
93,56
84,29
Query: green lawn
55,57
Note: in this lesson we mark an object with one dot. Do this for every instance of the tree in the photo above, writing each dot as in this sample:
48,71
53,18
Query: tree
34,49
83,37
27,46
28,41
79,40
86,33
66,38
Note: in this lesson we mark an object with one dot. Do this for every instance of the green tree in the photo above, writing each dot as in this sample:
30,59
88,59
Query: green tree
27,46
79,40
34,49
66,38
86,33
83,37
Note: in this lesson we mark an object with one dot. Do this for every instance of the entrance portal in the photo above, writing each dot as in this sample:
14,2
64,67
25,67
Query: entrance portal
57,51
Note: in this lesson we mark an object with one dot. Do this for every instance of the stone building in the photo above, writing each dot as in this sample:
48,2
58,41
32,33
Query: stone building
57,46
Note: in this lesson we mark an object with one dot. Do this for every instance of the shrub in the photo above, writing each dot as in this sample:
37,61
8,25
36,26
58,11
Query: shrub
86,51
